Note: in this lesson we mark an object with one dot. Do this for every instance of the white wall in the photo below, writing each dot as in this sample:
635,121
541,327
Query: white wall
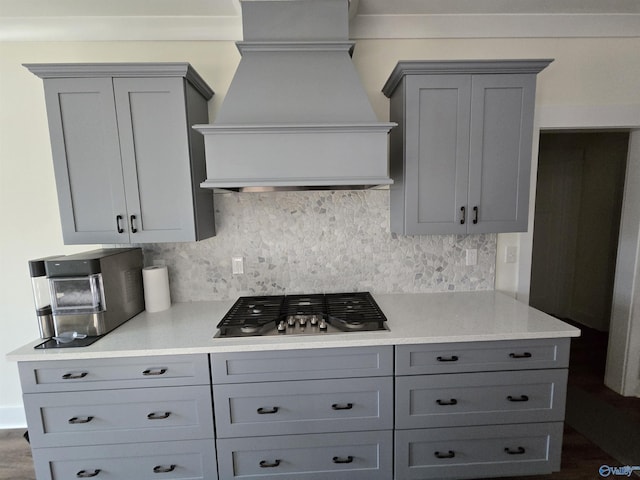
586,72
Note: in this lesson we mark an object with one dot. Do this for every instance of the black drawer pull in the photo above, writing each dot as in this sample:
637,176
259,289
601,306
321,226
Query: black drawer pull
475,215
345,406
463,217
164,469
85,474
265,464
268,411
118,226
452,358
520,355
517,451
158,416
521,398
76,420
449,454
348,459
451,401
150,372
132,221
74,376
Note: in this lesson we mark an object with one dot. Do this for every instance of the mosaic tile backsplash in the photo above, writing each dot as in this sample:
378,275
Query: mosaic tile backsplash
318,242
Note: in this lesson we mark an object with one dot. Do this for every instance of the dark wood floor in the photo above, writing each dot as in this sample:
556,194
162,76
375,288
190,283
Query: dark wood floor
581,456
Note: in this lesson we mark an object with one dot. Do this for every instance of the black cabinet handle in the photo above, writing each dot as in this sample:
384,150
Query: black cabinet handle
77,420
463,217
520,355
164,469
452,358
521,398
348,459
132,222
85,474
517,451
449,454
265,464
475,215
150,372
451,401
346,406
158,416
74,376
267,411
118,225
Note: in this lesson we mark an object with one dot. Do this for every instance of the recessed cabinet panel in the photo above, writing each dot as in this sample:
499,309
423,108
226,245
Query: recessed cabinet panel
88,172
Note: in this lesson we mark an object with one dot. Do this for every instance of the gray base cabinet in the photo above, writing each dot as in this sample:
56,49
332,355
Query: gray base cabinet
481,409
338,425
127,164
120,418
461,154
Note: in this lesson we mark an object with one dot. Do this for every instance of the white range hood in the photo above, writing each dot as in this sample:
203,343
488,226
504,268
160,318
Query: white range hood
296,115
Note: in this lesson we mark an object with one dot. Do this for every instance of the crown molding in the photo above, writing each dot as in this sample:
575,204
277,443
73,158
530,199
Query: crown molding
229,28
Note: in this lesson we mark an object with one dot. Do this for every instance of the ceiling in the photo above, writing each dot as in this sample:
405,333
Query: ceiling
23,20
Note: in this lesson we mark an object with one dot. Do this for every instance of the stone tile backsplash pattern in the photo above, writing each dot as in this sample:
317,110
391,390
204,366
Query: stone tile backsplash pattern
314,242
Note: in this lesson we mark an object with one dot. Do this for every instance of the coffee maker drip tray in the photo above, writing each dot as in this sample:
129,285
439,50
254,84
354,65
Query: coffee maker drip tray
76,342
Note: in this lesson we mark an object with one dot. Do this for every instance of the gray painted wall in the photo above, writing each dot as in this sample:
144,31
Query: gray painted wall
320,241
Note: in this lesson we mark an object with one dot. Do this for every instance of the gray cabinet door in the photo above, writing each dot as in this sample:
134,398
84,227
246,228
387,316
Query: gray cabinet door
437,153
88,171
155,158
500,152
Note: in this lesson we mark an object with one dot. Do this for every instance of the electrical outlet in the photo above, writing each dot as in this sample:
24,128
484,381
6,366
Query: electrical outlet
511,254
237,265
472,256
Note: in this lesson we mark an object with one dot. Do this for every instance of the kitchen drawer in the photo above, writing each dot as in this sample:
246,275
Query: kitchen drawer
477,452
111,373
305,364
314,406
192,460
119,416
482,398
335,456
482,356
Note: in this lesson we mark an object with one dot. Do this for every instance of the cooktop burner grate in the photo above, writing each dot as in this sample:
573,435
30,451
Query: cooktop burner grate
302,314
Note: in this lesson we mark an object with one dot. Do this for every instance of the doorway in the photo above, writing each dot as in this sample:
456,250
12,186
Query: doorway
579,196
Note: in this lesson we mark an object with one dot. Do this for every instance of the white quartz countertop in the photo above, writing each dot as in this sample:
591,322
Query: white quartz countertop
412,318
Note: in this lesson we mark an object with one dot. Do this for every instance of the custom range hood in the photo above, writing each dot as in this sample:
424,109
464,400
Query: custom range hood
296,115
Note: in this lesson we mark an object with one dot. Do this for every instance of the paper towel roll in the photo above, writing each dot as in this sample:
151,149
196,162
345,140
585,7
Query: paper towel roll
156,288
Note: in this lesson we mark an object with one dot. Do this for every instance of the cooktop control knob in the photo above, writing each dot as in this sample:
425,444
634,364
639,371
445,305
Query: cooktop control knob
303,321
322,325
313,320
282,327
291,320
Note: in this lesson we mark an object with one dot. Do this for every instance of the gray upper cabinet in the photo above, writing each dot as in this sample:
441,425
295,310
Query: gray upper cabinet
461,155
127,164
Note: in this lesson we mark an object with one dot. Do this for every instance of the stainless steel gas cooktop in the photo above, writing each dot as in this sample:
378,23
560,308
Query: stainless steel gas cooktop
317,314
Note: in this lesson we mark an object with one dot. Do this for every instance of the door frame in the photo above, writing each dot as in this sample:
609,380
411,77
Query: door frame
623,361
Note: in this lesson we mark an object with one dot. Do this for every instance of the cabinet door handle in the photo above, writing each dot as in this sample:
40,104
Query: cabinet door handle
520,355
74,376
452,358
77,420
344,406
164,469
517,451
118,225
451,401
132,222
151,372
158,416
463,217
475,215
449,454
348,459
521,398
267,411
85,474
265,464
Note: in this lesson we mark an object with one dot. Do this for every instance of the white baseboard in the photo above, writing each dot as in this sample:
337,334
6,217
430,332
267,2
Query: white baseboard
12,417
